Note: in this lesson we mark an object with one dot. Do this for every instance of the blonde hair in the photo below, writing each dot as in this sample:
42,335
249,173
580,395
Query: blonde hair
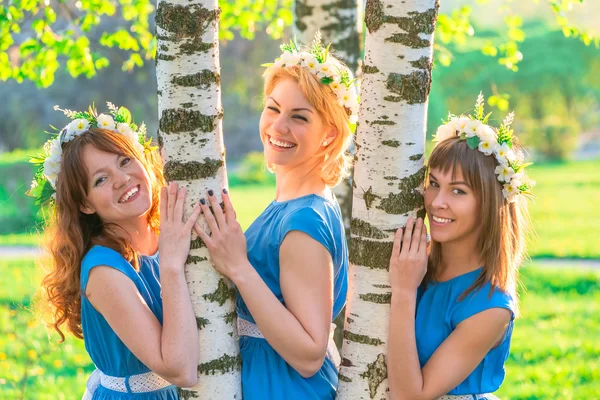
505,225
337,161
70,233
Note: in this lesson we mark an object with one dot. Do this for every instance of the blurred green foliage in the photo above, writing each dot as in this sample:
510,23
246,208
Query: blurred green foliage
38,36
555,94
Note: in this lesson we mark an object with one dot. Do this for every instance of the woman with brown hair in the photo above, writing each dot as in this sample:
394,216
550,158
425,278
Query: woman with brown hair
291,268
104,279
453,309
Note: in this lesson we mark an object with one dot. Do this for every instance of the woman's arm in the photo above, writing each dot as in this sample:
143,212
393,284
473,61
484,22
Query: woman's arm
457,356
451,363
170,350
299,331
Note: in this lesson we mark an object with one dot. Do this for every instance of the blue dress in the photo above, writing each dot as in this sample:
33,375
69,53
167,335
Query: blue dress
439,312
265,375
107,351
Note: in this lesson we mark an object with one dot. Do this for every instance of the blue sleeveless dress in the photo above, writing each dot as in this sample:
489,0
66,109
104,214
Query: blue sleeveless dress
107,351
439,312
265,375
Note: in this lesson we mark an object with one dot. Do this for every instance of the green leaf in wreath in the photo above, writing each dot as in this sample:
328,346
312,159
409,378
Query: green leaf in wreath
473,142
124,112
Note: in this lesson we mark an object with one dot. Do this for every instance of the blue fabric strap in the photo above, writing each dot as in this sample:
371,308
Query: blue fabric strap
127,385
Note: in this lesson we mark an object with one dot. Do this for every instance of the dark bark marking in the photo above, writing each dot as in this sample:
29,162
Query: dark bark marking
370,253
192,170
376,373
221,294
364,339
412,88
222,365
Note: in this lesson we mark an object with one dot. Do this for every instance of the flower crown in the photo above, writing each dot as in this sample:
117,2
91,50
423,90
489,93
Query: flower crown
330,72
43,187
499,142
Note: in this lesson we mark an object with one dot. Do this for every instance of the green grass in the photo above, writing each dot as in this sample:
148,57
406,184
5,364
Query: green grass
19,239
565,211
32,364
555,353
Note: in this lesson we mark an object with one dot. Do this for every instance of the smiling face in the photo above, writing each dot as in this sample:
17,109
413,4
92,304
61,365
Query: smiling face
118,187
291,129
452,207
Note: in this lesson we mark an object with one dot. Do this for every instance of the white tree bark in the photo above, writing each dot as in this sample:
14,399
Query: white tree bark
337,21
190,133
388,178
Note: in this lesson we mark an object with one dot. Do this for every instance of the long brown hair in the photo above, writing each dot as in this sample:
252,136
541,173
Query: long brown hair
70,233
337,162
505,226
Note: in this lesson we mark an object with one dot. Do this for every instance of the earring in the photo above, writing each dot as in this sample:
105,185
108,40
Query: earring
325,143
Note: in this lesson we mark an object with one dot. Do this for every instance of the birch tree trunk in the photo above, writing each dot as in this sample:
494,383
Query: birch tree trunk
337,20
388,178
190,134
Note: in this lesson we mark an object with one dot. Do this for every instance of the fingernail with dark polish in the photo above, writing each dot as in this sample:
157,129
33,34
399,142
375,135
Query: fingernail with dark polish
203,201
210,192
225,191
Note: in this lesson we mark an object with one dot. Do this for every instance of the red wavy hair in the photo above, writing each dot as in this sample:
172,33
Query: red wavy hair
69,233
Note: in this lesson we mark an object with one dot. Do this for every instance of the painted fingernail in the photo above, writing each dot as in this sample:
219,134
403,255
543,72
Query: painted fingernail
203,201
210,192
225,191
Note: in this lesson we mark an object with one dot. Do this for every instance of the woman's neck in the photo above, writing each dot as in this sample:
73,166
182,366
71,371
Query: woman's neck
458,258
298,182
141,236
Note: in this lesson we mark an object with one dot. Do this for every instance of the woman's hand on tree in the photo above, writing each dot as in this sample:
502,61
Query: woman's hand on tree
175,233
408,263
226,243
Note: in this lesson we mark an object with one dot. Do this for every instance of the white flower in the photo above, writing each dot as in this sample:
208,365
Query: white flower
517,180
290,59
311,63
445,131
124,129
334,86
34,184
460,123
471,128
51,170
76,127
504,172
509,192
502,153
353,118
485,132
279,63
325,70
105,122
486,147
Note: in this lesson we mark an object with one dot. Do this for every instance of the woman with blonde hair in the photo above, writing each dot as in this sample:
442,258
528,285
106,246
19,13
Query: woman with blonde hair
105,281
291,268
453,310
